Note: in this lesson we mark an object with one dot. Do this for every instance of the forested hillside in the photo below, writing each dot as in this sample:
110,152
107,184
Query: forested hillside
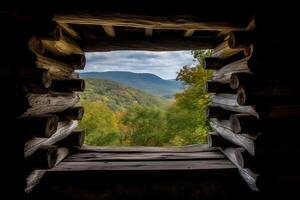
119,97
116,114
144,81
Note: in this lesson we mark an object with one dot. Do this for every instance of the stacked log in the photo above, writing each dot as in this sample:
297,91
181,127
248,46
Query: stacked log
252,105
48,87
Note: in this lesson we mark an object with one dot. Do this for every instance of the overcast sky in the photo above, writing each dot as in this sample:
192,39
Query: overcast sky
163,64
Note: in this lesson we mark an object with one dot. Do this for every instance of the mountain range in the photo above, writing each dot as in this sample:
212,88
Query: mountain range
146,82
119,96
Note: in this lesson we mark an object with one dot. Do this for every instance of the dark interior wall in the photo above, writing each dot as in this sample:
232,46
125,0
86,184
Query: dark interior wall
277,25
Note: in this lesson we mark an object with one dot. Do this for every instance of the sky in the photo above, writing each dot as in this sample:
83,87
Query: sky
163,64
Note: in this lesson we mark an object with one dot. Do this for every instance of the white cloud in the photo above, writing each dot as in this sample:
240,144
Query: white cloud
163,64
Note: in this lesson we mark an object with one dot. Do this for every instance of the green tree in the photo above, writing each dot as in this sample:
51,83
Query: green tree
100,124
146,126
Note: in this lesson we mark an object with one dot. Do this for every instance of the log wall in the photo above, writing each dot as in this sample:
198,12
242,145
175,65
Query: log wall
254,109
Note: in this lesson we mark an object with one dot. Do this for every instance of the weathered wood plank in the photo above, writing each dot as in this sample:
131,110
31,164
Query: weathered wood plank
145,165
243,140
70,30
35,176
62,46
223,75
144,149
229,102
248,176
49,103
64,129
180,22
88,157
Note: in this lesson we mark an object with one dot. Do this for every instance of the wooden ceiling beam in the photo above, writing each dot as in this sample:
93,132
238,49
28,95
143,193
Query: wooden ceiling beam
178,22
148,32
109,30
151,44
189,33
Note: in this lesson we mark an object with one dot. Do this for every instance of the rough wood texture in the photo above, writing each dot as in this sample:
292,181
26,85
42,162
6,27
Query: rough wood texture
243,140
64,129
143,21
75,139
70,30
43,158
62,46
34,80
46,57
223,75
216,87
229,102
144,149
248,176
56,68
49,103
101,157
74,113
216,140
151,44
217,112
35,176
72,85
43,126
223,51
145,165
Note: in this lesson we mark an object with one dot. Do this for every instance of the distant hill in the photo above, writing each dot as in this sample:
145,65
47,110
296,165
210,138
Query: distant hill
144,81
118,96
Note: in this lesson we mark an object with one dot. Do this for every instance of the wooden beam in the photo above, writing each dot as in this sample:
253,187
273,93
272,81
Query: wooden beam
243,140
109,30
148,32
74,113
143,149
71,85
70,30
151,44
75,139
100,157
64,129
43,158
216,87
42,126
49,103
189,33
217,112
34,177
181,22
229,102
166,165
